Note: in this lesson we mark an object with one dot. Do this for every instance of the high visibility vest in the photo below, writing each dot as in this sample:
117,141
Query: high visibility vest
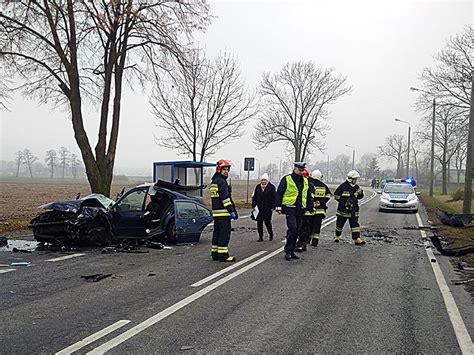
291,192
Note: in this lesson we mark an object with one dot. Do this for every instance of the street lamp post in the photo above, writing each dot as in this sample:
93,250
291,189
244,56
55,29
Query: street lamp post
327,168
353,154
408,152
432,137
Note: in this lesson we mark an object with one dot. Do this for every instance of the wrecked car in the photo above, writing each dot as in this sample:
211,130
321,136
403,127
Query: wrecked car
84,221
153,211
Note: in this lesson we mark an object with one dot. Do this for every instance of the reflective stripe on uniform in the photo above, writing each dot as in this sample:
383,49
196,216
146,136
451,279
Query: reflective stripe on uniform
226,202
354,230
220,213
343,214
320,192
315,236
214,248
320,212
338,229
214,189
222,250
346,194
328,196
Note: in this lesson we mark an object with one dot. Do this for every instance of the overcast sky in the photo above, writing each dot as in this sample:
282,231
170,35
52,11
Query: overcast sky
381,46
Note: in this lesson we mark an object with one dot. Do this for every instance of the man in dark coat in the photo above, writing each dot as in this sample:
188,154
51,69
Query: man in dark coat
263,201
294,199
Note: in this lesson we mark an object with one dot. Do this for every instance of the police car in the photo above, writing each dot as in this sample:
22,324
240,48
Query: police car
399,196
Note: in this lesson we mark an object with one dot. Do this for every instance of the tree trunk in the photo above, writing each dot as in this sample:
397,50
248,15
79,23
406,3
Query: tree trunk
444,173
18,169
29,168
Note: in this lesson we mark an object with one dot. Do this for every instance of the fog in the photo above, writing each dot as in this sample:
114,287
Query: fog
381,46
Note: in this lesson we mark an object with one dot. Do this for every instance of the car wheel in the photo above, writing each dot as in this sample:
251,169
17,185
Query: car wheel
171,232
415,211
380,209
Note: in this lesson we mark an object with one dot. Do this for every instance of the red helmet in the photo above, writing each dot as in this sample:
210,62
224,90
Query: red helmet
306,173
221,164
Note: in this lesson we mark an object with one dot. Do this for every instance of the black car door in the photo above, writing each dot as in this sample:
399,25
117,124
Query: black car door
128,214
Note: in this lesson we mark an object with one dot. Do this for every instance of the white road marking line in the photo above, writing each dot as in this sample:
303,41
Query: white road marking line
462,335
227,269
119,339
65,257
3,271
93,337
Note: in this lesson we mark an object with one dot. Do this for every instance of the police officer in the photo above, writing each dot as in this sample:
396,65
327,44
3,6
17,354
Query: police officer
306,224
223,210
348,195
293,199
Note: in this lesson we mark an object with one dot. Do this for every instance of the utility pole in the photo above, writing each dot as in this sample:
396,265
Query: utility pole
409,140
353,154
467,203
433,147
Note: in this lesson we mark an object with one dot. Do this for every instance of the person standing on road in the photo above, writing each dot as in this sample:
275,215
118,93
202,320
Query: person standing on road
263,200
305,235
223,210
293,199
321,196
348,195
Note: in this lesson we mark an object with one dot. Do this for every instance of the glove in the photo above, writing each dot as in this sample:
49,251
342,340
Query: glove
233,216
278,210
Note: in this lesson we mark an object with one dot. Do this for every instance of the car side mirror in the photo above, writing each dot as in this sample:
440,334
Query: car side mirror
418,193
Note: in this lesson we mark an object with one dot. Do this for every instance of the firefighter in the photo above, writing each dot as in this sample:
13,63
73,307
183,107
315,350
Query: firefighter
348,195
293,199
223,210
321,196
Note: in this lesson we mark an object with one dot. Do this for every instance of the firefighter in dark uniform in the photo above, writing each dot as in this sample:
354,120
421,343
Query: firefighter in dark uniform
303,237
321,196
348,195
293,199
223,210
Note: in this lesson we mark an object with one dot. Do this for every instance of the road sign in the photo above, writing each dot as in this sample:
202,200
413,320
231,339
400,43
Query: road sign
249,164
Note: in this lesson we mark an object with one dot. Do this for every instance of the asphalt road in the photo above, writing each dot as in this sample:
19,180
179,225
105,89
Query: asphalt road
339,298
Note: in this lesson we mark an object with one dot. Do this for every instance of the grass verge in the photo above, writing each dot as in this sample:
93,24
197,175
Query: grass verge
455,237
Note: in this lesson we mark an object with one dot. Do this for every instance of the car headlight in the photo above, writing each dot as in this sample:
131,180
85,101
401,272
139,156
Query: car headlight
412,197
384,198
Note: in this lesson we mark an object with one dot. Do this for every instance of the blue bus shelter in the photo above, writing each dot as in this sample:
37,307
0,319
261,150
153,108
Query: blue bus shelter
189,173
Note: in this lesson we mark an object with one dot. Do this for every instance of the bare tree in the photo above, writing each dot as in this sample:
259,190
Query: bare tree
5,91
201,105
368,165
340,166
295,103
18,161
51,158
29,158
395,146
450,79
68,52
450,135
63,155
75,163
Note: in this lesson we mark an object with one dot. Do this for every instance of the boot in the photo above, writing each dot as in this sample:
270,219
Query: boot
359,241
260,239
294,256
337,239
287,256
304,247
229,259
271,237
214,256
299,249
314,242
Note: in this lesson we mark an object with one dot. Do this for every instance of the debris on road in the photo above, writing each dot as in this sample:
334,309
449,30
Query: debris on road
3,241
458,220
468,249
381,235
16,250
151,274
433,260
95,277
186,347
463,282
